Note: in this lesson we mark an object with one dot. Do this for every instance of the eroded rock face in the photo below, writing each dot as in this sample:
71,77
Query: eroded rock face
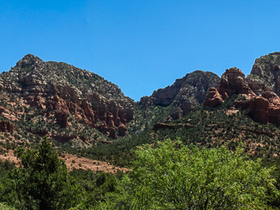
6,126
258,109
61,118
265,110
233,82
186,93
266,74
213,98
272,97
257,85
63,90
122,130
263,104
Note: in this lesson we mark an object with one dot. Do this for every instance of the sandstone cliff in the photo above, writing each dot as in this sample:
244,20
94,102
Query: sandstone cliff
262,103
65,91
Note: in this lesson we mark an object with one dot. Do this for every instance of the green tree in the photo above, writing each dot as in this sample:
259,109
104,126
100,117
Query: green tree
173,176
42,181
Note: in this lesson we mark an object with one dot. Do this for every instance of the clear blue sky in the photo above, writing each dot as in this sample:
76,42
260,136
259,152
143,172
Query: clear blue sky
140,45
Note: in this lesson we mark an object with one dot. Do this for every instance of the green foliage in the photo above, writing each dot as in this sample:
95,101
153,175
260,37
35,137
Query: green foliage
42,182
5,207
96,185
145,118
212,128
173,176
5,167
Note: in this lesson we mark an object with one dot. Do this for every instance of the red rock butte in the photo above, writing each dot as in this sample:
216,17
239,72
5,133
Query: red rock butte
264,108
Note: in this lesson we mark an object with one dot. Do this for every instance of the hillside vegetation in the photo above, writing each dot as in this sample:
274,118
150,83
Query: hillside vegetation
202,143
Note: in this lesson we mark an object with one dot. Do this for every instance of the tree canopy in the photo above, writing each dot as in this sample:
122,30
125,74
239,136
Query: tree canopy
169,175
42,181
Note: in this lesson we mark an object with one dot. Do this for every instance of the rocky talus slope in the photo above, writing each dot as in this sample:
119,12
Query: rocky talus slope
67,94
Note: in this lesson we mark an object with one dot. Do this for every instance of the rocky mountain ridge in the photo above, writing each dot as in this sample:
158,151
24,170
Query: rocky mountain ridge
69,95
84,114
257,89
63,90
186,94
265,74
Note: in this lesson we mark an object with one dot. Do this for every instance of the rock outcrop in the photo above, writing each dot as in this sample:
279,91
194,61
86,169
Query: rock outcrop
262,103
186,93
6,126
213,98
265,108
63,90
265,74
233,82
122,129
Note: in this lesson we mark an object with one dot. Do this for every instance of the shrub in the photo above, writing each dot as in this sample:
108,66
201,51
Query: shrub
42,181
173,176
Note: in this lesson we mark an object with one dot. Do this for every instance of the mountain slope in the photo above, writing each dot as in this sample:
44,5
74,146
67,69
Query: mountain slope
61,101
84,113
186,93
173,102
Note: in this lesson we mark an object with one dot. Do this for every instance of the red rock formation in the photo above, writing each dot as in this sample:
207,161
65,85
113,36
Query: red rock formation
61,118
112,132
6,126
272,97
264,109
258,109
233,82
213,98
122,129
83,111
60,90
110,120
57,103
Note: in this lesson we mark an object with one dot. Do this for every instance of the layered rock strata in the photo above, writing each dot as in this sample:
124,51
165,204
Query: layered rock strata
213,98
62,89
264,108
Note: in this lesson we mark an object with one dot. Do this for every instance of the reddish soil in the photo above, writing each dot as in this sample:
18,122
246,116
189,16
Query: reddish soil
230,112
73,162
9,155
